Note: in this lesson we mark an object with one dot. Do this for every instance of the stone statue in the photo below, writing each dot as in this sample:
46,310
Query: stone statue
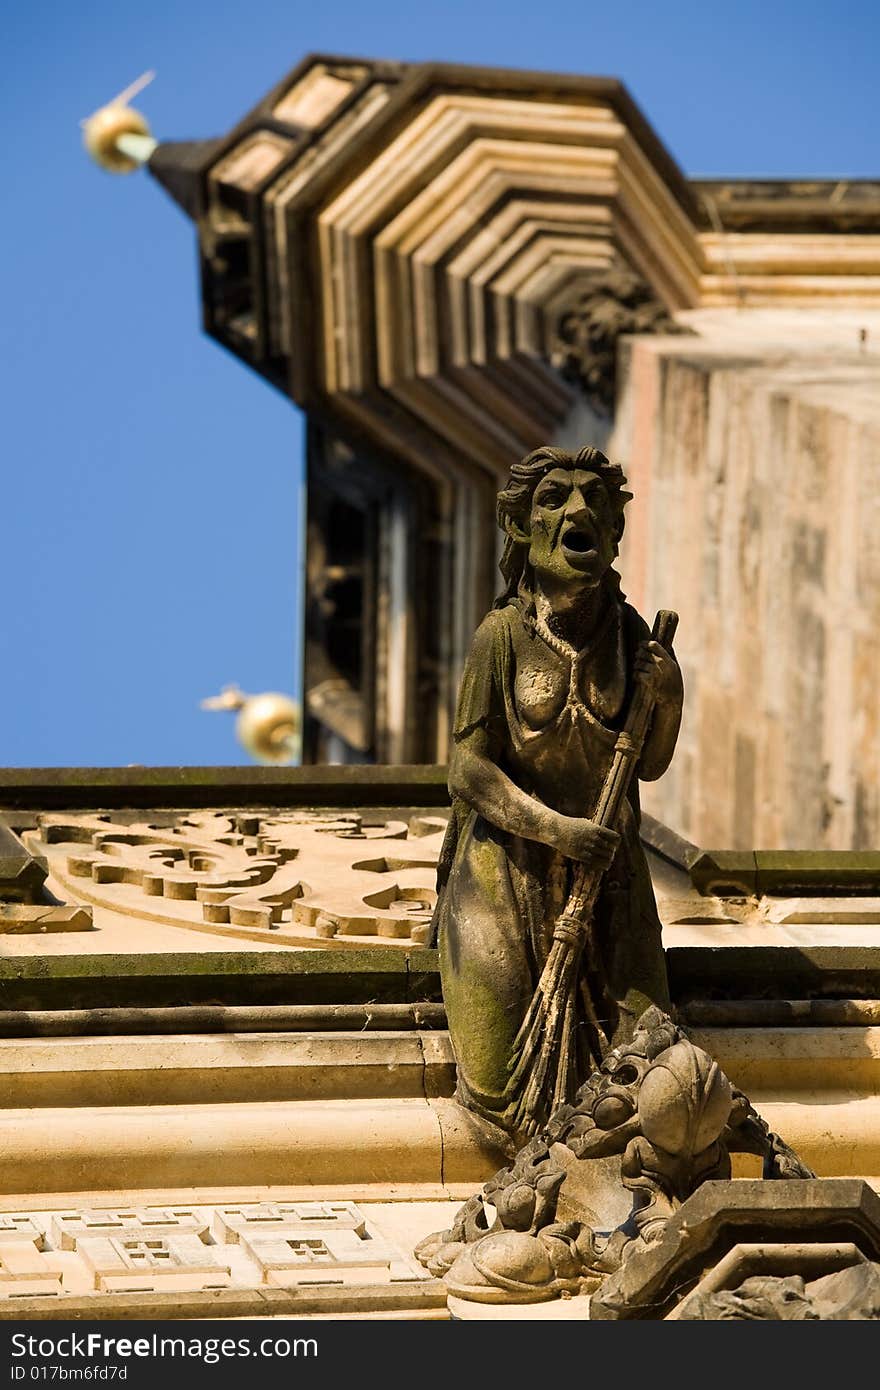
657,1120
549,684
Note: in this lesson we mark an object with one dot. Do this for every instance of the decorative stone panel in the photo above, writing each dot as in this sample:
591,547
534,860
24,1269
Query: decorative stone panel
301,878
102,1255
69,1228
26,1272
133,1264
248,1221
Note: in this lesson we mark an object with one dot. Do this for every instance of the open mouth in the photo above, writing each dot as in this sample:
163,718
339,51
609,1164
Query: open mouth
579,542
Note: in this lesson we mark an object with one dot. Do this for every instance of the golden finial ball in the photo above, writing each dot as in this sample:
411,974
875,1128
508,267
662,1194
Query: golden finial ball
268,727
101,132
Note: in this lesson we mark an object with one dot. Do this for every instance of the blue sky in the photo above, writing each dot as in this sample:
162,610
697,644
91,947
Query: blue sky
150,485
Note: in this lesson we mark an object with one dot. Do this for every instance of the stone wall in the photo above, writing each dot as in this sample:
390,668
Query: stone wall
753,450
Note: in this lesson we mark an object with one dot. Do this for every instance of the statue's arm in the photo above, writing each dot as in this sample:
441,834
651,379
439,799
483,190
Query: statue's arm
477,779
654,663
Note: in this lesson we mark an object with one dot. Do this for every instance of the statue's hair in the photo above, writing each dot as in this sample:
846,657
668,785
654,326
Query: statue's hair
515,504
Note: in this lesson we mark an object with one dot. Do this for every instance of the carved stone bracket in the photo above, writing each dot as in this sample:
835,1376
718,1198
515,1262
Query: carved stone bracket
583,342
626,1196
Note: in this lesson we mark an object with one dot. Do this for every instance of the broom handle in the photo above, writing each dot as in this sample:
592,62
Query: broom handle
627,751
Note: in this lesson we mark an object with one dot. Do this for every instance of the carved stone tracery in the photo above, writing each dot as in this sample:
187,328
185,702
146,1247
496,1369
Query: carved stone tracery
304,878
108,1252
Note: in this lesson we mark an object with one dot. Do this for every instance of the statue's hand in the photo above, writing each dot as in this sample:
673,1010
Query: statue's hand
583,839
654,665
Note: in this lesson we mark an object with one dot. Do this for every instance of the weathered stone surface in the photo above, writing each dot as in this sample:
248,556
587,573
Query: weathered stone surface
204,1259
497,200
167,978
257,1143
721,1215
310,878
34,919
21,873
851,1293
800,970
593,1200
761,436
192,1069
69,1228
138,1114
104,788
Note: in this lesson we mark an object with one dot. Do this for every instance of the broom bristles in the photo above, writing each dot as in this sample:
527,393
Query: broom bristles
524,1044
527,1039
543,1044
563,1072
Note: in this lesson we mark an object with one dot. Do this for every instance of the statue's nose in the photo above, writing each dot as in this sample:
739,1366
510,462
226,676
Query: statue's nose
577,507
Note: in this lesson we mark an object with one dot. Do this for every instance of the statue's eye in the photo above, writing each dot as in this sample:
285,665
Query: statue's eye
551,498
611,1111
625,1076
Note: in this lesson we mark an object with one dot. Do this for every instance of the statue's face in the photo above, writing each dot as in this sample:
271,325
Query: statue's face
572,528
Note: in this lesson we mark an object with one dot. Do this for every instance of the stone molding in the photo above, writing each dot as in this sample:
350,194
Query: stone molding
428,232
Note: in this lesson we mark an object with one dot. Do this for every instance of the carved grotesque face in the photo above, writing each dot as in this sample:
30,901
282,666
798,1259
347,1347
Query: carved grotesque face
572,528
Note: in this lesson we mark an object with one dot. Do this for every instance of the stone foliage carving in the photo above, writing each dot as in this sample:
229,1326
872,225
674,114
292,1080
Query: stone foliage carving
851,1294
305,878
584,341
601,1181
